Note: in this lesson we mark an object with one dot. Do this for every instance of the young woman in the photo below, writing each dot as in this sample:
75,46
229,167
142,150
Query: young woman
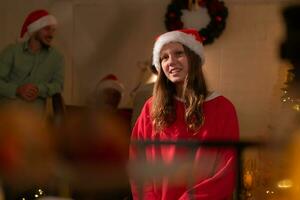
182,109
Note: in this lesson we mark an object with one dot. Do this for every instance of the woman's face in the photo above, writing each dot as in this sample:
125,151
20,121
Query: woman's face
174,62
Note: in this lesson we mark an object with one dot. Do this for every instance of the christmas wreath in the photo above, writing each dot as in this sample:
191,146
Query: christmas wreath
217,12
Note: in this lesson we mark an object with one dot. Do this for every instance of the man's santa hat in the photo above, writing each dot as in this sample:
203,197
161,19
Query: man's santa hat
188,37
110,81
35,21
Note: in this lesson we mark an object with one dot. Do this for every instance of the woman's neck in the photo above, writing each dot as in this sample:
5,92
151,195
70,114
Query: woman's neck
179,91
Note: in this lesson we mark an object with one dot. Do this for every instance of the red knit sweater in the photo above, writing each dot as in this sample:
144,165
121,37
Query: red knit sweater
204,174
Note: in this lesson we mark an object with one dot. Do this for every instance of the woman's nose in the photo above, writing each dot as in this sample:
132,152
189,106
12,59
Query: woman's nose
172,59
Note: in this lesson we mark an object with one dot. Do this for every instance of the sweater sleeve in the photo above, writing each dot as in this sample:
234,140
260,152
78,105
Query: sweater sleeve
221,184
7,89
142,190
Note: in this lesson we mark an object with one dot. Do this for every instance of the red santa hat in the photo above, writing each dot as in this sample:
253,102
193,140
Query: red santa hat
188,37
35,21
110,81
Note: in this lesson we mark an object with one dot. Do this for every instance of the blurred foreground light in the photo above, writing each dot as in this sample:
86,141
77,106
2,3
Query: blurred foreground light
296,107
285,184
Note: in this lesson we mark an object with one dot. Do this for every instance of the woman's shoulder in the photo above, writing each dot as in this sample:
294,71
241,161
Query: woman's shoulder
148,102
147,105
217,98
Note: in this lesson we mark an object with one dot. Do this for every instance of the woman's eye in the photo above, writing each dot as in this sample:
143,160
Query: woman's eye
164,57
179,53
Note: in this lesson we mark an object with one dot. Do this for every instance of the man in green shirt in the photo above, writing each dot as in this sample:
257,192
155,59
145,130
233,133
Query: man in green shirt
32,70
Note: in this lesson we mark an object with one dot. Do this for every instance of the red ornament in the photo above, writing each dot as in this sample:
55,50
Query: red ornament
172,15
176,25
216,6
218,18
179,25
202,3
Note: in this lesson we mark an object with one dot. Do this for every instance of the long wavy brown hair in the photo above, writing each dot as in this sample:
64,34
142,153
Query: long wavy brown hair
163,112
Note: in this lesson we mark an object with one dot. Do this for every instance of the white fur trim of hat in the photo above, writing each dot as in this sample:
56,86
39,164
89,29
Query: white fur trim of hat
42,22
110,81
188,37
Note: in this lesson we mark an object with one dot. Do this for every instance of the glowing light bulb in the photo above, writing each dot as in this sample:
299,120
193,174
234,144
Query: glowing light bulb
40,191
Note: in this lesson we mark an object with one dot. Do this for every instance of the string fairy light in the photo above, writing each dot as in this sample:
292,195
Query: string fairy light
288,99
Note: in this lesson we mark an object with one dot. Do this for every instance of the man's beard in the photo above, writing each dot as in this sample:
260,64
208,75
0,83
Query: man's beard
43,44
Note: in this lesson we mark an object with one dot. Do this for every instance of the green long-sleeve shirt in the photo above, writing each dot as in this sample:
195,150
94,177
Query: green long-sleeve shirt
18,66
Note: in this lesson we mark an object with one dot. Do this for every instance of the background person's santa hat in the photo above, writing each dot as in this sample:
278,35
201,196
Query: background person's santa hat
35,21
110,81
188,37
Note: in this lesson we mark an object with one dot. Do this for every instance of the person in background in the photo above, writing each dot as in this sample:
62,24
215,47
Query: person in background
95,143
107,96
32,70
183,110
108,93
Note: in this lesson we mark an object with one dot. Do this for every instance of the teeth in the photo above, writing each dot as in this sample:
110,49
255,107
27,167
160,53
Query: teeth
175,71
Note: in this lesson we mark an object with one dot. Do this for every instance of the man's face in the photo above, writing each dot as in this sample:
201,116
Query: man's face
109,97
45,35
